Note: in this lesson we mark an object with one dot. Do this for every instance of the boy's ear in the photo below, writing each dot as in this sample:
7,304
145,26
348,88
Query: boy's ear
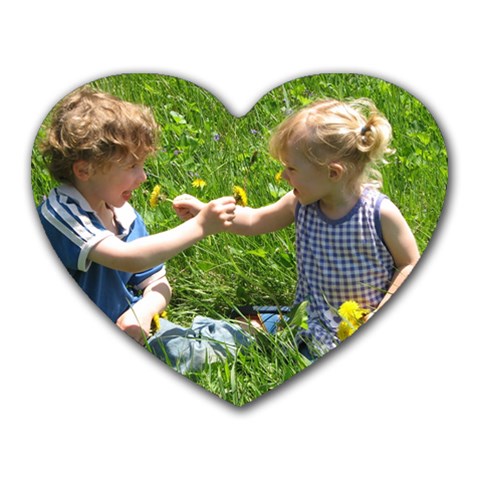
81,170
335,171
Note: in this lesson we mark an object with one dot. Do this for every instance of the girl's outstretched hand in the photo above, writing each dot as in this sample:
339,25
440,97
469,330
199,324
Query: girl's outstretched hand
187,206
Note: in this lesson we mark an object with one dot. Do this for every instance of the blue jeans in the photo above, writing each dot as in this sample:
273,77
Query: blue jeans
190,349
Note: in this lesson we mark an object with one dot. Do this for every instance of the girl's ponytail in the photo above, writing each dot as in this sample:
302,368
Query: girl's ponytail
374,137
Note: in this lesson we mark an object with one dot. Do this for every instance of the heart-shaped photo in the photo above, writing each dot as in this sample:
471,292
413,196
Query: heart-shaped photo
239,251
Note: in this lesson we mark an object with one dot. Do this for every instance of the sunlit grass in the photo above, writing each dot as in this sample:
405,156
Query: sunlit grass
206,152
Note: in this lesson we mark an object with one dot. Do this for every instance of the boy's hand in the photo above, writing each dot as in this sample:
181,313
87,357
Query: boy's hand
217,215
187,206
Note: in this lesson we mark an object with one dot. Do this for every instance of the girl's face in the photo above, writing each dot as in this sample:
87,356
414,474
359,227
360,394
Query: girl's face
114,186
311,183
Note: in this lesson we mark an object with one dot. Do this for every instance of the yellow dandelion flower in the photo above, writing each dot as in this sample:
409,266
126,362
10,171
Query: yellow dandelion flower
278,176
351,311
154,196
240,196
155,325
199,183
345,329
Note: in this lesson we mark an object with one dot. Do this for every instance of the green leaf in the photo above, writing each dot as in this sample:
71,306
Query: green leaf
177,117
299,317
424,137
259,252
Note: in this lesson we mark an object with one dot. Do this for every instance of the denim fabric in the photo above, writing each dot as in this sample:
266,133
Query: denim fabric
190,349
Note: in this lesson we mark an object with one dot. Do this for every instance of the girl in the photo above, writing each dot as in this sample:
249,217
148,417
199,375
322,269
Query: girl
352,242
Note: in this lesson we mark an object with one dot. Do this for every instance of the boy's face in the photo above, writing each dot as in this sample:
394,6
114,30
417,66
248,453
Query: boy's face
113,186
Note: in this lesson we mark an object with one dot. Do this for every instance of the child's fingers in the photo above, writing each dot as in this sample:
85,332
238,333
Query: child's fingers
223,208
183,197
229,215
184,215
186,206
226,200
226,208
183,201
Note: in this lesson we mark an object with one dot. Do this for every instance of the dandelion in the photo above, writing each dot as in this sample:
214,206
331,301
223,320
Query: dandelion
199,183
352,318
351,311
345,329
240,196
278,176
155,325
154,196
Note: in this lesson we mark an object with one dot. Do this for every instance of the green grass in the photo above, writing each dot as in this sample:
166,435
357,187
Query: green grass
200,139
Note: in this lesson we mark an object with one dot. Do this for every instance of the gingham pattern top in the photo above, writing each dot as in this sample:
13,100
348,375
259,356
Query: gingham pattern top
339,260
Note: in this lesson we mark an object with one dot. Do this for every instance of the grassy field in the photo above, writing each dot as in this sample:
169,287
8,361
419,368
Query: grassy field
206,152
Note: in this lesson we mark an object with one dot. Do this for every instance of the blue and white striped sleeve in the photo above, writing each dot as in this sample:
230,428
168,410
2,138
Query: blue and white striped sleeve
71,231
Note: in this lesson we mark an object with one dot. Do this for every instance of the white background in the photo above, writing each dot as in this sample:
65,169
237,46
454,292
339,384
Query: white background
80,400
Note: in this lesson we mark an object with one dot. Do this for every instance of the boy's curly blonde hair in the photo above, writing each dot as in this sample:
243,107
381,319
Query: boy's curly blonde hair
353,133
99,128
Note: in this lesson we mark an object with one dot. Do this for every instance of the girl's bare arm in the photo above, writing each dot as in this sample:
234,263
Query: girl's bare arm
401,243
247,221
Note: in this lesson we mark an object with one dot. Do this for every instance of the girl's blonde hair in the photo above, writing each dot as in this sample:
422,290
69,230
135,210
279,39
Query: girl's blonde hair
352,133
99,128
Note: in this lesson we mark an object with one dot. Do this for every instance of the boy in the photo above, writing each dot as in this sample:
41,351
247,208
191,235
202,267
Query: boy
96,148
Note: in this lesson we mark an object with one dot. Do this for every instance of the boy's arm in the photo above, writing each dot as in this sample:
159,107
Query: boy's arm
248,221
400,242
147,252
136,321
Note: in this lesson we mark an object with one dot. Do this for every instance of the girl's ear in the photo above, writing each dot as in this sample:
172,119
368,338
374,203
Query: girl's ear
81,170
335,171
